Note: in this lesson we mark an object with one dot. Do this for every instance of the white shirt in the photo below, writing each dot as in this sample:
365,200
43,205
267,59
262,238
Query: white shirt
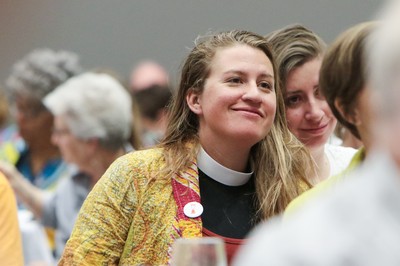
339,157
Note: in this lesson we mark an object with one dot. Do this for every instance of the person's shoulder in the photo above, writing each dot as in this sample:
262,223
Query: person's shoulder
299,234
371,182
356,210
310,194
142,157
327,184
137,164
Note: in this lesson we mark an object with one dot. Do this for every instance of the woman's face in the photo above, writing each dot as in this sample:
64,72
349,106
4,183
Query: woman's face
308,115
33,120
238,102
73,150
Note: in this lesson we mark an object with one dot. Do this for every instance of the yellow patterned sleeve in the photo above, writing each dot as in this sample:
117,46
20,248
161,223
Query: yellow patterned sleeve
105,218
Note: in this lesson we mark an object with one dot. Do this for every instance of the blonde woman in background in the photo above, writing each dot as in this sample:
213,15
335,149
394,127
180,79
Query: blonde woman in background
349,99
298,52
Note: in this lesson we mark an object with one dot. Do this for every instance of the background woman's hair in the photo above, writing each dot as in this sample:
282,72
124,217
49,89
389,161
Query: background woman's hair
293,46
41,71
94,105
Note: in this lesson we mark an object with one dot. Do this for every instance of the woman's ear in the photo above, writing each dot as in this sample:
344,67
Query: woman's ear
353,117
193,100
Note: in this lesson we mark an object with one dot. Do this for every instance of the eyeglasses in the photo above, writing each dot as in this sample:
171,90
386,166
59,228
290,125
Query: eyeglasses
60,131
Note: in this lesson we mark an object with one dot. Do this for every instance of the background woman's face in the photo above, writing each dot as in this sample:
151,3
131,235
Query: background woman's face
72,148
308,115
33,120
238,102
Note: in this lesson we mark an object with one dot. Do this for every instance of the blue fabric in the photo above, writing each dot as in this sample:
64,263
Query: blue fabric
49,175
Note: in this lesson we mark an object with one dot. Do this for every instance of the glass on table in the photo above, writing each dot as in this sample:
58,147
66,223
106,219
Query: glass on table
205,251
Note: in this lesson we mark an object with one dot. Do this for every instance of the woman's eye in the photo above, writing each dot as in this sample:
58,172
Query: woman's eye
266,85
292,101
318,94
235,80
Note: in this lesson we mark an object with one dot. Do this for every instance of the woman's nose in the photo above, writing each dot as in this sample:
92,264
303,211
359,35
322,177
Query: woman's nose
252,93
54,139
314,111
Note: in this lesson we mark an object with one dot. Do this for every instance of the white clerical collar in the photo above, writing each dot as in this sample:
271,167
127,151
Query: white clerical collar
219,172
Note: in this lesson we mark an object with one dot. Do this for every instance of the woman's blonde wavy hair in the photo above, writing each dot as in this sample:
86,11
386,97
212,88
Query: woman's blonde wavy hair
280,162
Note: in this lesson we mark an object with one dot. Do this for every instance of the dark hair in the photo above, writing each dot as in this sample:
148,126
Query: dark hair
153,99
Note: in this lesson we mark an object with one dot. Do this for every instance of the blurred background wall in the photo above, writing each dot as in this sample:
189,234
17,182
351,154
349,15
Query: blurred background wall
117,34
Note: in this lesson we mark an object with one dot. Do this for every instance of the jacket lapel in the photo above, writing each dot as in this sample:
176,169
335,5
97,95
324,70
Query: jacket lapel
185,186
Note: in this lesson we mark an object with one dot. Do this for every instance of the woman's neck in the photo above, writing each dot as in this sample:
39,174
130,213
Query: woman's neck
220,173
323,168
100,163
232,157
39,156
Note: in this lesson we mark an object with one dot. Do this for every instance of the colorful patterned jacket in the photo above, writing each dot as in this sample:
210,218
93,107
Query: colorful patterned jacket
128,220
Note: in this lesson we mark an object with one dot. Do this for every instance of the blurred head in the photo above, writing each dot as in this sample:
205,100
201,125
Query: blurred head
213,59
343,80
152,101
298,52
384,72
31,79
91,106
147,74
136,139
153,104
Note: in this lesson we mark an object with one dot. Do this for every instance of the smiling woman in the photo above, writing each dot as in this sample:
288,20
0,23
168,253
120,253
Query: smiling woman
239,91
228,161
299,53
